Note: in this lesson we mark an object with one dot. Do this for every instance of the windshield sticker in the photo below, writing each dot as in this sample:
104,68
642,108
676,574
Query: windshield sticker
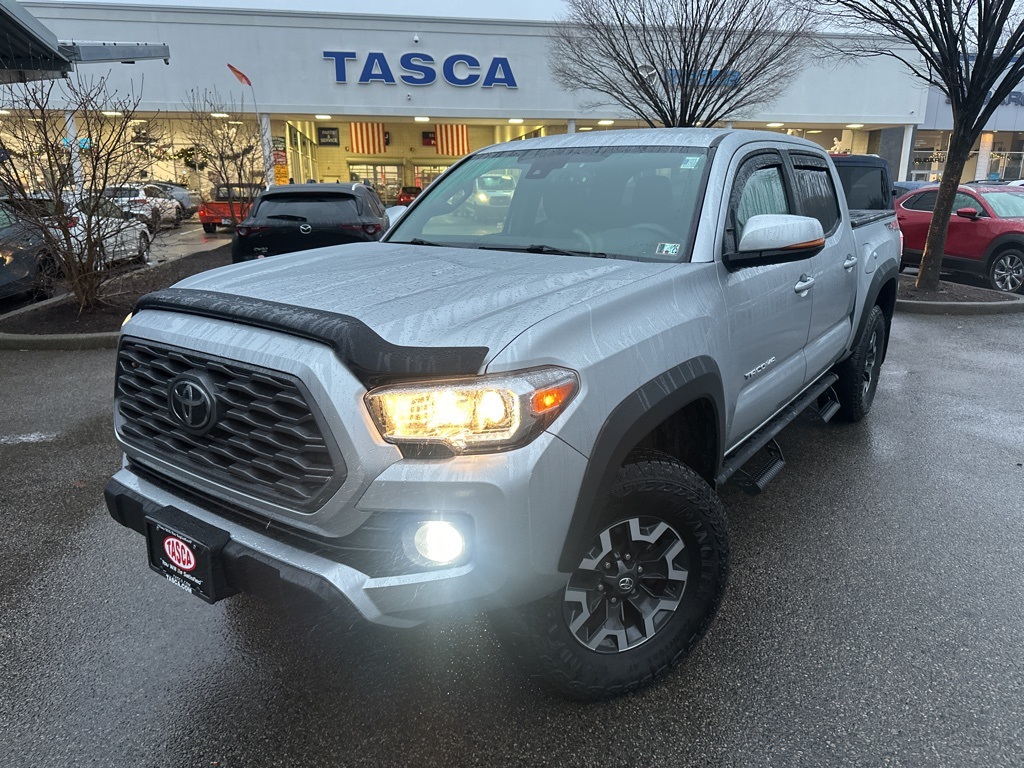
667,249
689,163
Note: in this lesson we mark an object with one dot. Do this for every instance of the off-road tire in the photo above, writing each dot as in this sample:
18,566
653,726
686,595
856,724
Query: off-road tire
649,486
209,228
858,374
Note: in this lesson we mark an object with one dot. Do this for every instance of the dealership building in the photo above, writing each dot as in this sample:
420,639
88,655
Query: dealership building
394,100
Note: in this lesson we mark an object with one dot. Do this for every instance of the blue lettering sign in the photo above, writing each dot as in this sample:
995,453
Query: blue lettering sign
723,78
414,62
499,73
376,68
459,69
340,57
461,58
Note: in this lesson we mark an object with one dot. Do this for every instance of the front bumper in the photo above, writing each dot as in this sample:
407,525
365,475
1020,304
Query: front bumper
515,523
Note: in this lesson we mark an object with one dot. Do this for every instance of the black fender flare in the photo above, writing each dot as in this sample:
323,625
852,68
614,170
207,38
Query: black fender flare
880,278
628,423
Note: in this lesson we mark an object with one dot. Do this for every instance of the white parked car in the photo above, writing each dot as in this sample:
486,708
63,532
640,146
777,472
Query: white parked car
148,203
124,238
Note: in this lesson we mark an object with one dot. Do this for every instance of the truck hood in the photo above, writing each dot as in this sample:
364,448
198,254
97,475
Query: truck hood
428,296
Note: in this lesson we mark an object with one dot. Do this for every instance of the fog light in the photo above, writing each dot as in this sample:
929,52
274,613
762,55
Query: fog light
439,542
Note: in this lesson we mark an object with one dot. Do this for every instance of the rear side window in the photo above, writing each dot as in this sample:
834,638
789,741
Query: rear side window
815,192
865,188
6,217
321,207
923,202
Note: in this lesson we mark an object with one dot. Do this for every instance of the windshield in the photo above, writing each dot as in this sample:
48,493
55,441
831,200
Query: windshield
636,203
237,191
121,192
305,207
1005,205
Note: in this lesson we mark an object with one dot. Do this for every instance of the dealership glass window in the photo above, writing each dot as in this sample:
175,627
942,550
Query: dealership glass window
424,174
386,179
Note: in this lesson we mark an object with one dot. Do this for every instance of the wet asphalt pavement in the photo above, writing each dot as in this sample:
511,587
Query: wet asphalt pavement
875,615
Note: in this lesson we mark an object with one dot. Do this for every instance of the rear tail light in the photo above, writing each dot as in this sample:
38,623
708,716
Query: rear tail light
370,229
245,231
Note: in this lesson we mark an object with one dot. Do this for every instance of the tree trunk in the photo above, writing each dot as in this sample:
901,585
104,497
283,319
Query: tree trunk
935,244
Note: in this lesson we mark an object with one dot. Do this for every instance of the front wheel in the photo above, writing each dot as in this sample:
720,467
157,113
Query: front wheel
643,593
178,216
1006,272
858,374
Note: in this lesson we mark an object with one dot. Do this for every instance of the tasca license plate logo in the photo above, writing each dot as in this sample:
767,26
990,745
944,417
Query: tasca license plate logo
179,553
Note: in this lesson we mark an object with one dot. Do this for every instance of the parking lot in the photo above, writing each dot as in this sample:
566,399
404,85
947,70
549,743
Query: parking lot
875,614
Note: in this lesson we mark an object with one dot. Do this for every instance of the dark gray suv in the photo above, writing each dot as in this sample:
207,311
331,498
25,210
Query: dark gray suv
302,217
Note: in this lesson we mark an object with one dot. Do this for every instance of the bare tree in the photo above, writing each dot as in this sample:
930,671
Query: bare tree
972,50
681,62
62,143
224,141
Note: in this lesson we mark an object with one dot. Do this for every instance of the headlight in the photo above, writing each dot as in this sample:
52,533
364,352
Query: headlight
484,414
482,197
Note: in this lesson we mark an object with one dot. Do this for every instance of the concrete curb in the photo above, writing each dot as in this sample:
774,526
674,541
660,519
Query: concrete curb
1015,305
70,342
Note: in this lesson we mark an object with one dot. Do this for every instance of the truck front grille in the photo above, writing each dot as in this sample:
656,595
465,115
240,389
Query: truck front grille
265,439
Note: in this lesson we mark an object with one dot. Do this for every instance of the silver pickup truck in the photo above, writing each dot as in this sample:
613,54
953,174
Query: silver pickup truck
525,411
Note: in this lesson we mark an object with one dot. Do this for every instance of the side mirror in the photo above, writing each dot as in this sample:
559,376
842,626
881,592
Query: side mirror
776,239
967,213
395,212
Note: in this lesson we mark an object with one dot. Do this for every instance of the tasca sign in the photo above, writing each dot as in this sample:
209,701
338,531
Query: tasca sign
460,69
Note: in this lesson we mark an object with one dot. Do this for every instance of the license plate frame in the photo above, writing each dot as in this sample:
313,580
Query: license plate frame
205,543
226,222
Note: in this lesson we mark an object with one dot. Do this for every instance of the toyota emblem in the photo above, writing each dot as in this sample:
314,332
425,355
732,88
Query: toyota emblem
305,229
191,403
626,584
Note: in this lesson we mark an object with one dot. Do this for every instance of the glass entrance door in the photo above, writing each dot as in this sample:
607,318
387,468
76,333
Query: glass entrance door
386,179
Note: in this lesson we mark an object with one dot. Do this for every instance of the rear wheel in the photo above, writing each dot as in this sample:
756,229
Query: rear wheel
178,216
641,596
858,374
209,228
1006,272
142,250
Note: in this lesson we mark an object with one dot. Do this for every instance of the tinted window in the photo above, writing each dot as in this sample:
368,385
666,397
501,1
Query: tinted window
237,192
923,202
411,190
865,188
120,192
6,217
763,193
320,207
815,192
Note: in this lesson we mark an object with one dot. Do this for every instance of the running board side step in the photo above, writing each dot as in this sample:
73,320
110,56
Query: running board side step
755,482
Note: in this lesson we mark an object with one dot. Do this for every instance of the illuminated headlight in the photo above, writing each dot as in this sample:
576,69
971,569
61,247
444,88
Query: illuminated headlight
485,414
482,197
127,317
439,542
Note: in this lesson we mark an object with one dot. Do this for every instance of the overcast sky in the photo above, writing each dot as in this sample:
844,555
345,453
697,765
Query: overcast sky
518,9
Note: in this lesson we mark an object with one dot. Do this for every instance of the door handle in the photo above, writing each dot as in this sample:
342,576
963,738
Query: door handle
850,263
803,285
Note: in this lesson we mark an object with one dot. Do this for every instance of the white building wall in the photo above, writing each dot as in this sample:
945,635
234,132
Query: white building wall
282,53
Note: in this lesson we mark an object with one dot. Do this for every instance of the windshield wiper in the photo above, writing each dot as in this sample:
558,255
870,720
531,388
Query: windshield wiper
421,241
544,249
287,217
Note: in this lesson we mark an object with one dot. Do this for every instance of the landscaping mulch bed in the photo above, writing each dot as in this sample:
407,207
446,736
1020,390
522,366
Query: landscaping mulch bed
121,293
958,292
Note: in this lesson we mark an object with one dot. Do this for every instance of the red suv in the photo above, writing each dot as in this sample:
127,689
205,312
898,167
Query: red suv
986,232
408,194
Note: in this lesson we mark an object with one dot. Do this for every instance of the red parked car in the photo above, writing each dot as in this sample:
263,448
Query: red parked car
408,194
986,232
